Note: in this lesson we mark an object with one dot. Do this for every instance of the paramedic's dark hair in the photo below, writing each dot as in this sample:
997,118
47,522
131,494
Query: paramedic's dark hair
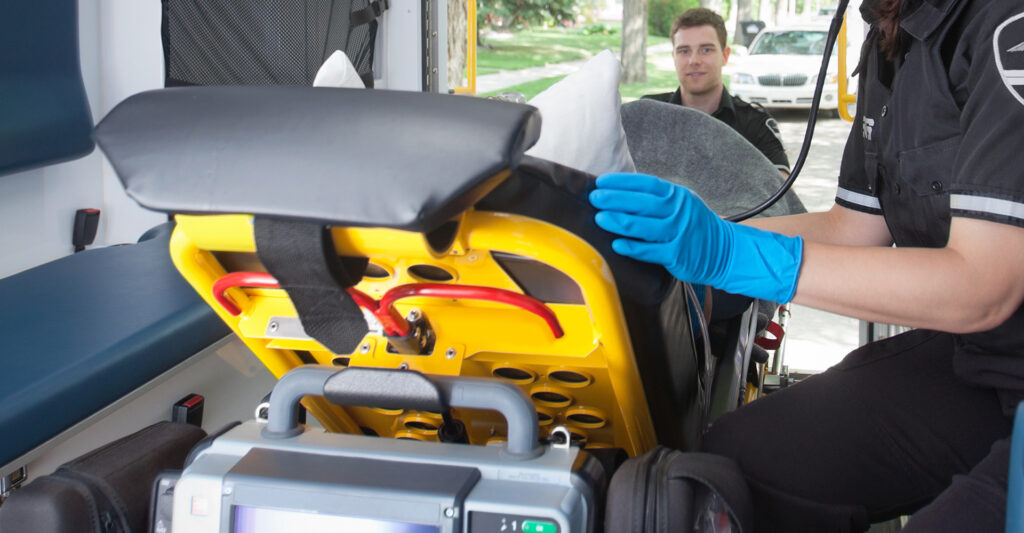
700,16
888,23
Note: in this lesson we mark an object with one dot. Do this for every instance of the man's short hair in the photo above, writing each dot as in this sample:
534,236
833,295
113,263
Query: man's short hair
700,16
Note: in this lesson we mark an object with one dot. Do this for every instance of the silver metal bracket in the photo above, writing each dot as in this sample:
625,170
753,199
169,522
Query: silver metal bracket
561,439
262,410
285,327
11,482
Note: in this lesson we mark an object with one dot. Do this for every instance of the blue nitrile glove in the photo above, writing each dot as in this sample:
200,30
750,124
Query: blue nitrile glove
669,225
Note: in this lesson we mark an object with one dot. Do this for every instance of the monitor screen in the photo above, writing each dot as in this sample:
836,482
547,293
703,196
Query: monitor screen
263,520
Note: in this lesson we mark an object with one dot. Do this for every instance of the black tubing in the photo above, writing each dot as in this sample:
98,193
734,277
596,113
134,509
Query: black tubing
833,34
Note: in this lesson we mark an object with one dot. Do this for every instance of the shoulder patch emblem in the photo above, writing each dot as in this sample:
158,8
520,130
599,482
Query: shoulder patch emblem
774,128
1008,46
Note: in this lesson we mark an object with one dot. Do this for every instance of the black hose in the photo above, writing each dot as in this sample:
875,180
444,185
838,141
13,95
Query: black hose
830,41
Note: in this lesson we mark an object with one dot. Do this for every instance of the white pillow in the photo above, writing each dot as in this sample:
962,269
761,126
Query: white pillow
338,71
580,122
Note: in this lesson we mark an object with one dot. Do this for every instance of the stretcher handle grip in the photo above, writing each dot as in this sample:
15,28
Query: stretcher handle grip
240,279
391,321
405,389
472,292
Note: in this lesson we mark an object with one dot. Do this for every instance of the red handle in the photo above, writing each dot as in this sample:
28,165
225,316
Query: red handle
771,344
393,323
468,292
240,279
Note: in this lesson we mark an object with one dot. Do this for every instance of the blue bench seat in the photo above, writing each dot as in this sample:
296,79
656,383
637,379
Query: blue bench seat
80,332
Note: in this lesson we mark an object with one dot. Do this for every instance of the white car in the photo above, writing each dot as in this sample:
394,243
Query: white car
781,69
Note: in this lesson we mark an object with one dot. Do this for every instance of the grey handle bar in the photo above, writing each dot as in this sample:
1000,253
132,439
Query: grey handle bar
401,389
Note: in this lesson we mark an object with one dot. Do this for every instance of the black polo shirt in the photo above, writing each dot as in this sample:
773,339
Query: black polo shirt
939,133
752,122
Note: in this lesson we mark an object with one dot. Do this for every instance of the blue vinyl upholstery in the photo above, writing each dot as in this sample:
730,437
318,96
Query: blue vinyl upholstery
44,110
78,333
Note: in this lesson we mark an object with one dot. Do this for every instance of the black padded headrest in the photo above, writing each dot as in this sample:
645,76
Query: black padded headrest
341,156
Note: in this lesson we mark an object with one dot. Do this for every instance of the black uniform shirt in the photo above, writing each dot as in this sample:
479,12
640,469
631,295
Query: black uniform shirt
752,122
939,133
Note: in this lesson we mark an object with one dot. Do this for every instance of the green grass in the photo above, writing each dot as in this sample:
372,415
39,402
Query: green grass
532,48
528,89
659,80
538,47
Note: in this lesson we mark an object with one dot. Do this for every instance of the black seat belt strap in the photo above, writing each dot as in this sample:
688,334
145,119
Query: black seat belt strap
301,255
368,13
342,21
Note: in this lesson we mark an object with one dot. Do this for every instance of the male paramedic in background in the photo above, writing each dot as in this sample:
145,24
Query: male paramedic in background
700,52
918,423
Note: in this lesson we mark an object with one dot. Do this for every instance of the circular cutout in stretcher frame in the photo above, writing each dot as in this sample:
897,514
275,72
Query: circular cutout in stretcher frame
514,374
568,377
545,417
428,273
378,272
420,425
551,397
585,417
410,435
389,412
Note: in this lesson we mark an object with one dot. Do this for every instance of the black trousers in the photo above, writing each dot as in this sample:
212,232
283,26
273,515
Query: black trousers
888,431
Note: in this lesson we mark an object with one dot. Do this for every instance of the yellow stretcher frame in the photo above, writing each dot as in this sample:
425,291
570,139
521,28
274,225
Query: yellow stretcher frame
604,403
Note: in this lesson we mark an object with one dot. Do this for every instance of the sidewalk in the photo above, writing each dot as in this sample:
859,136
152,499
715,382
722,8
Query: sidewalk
511,78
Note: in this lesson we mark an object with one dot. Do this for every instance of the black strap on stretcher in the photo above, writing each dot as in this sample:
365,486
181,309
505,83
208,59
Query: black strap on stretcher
301,255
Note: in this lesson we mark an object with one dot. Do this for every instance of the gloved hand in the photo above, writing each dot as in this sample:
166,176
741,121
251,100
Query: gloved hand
669,225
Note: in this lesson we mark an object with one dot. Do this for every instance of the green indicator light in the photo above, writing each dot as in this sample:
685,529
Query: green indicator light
536,526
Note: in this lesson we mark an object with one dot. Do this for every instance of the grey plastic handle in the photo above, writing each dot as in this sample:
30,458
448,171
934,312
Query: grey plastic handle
376,387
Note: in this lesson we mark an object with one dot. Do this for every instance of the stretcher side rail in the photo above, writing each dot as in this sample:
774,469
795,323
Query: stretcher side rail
83,331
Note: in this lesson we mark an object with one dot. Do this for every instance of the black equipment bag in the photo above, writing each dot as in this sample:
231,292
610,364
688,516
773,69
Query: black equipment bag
265,42
668,490
105,491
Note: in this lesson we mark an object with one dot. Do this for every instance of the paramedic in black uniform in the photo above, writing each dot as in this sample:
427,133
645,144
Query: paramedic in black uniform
918,423
699,51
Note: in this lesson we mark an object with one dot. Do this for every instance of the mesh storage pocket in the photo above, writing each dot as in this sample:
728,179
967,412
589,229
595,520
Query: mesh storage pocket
263,42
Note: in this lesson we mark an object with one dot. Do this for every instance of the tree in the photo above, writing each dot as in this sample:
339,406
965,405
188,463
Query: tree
783,10
634,41
457,45
764,10
661,14
510,14
714,5
742,14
